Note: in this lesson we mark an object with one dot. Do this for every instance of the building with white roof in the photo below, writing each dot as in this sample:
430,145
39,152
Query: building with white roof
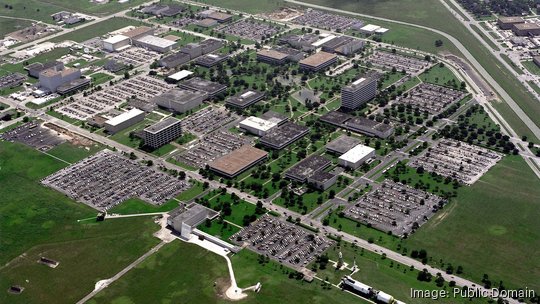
323,40
356,156
116,43
179,75
154,43
369,29
257,126
359,92
124,120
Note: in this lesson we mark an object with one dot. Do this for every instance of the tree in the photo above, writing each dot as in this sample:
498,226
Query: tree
438,43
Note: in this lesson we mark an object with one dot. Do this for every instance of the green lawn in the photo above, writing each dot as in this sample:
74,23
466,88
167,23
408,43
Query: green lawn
72,153
440,75
239,209
248,6
532,67
220,229
98,29
10,25
99,78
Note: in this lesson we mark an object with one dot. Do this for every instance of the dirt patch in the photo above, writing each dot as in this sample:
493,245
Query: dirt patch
73,138
220,286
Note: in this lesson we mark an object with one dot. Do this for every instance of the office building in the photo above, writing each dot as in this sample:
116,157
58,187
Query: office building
359,92
356,156
199,84
245,99
116,43
238,161
160,45
162,133
284,135
318,61
52,78
257,126
506,23
124,120
179,100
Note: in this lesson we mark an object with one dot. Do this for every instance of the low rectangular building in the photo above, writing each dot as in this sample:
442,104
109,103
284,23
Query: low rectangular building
154,43
185,219
276,117
322,180
124,120
280,137
356,156
257,125
210,45
199,84
318,61
342,144
238,161
308,167
194,50
116,43
174,60
138,32
245,99
272,56
162,133
526,29
358,124
179,100
35,68
506,23
210,60
73,86
173,78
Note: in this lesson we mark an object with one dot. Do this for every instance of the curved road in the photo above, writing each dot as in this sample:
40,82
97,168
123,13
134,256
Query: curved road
515,107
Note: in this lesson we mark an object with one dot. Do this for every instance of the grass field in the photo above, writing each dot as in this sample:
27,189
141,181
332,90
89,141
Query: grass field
433,14
504,241
11,25
72,153
440,75
248,6
98,29
532,67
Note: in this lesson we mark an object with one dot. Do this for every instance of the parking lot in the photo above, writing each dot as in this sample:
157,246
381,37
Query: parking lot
457,160
394,207
326,20
388,61
207,120
211,147
136,56
251,29
34,135
106,179
282,241
141,87
430,98
12,80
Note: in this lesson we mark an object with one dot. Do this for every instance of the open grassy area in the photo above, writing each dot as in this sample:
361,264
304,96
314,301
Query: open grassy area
532,67
491,227
248,6
239,208
98,29
440,75
11,25
72,153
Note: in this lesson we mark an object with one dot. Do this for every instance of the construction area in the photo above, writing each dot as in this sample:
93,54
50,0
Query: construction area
106,179
282,241
34,135
394,207
389,61
457,160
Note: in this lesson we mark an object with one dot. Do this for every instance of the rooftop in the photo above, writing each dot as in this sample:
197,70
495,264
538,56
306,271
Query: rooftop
272,54
245,98
190,214
258,123
180,75
318,59
342,144
161,125
204,85
274,117
284,135
357,153
124,116
137,31
179,96
307,167
116,38
527,26
156,41
239,159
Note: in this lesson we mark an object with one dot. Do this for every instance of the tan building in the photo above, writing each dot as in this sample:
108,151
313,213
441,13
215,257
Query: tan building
318,61
238,161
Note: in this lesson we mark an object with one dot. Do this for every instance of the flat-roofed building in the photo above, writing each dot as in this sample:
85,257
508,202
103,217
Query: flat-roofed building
257,126
154,43
272,56
526,29
180,100
35,68
301,42
124,120
73,86
220,17
342,144
356,156
210,45
506,23
322,180
199,84
185,219
162,133
307,167
174,60
276,117
284,135
52,78
358,124
116,43
193,49
536,60
207,22
138,32
238,161
210,60
359,92
245,99
318,61
183,74
343,45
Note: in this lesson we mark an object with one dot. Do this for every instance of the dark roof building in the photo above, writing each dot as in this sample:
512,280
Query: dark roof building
284,135
174,60
210,60
203,85
358,124
307,167
245,99
35,68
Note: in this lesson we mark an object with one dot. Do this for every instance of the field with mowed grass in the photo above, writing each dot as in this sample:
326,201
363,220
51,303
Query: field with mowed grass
491,227
37,221
98,29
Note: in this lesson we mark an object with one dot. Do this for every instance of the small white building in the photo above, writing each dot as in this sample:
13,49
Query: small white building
257,126
124,120
369,29
356,156
116,43
179,75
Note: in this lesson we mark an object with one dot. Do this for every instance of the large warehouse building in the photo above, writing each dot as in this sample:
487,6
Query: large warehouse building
116,43
160,45
356,156
358,92
162,133
506,23
203,85
52,78
237,161
124,120
179,100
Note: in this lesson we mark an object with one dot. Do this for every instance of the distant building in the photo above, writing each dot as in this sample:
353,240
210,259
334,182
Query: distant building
210,60
116,43
174,60
138,32
318,61
322,180
162,10
276,117
124,120
35,68
284,135
238,161
343,45
536,60
342,144
506,23
179,100
175,77
162,133
526,29
199,84
194,50
257,125
207,22
73,86
307,167
279,55
359,92
245,99
52,78
356,156
210,45
154,43
358,124
302,42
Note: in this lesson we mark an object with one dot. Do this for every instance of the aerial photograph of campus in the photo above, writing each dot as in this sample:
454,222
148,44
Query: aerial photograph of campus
269,151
